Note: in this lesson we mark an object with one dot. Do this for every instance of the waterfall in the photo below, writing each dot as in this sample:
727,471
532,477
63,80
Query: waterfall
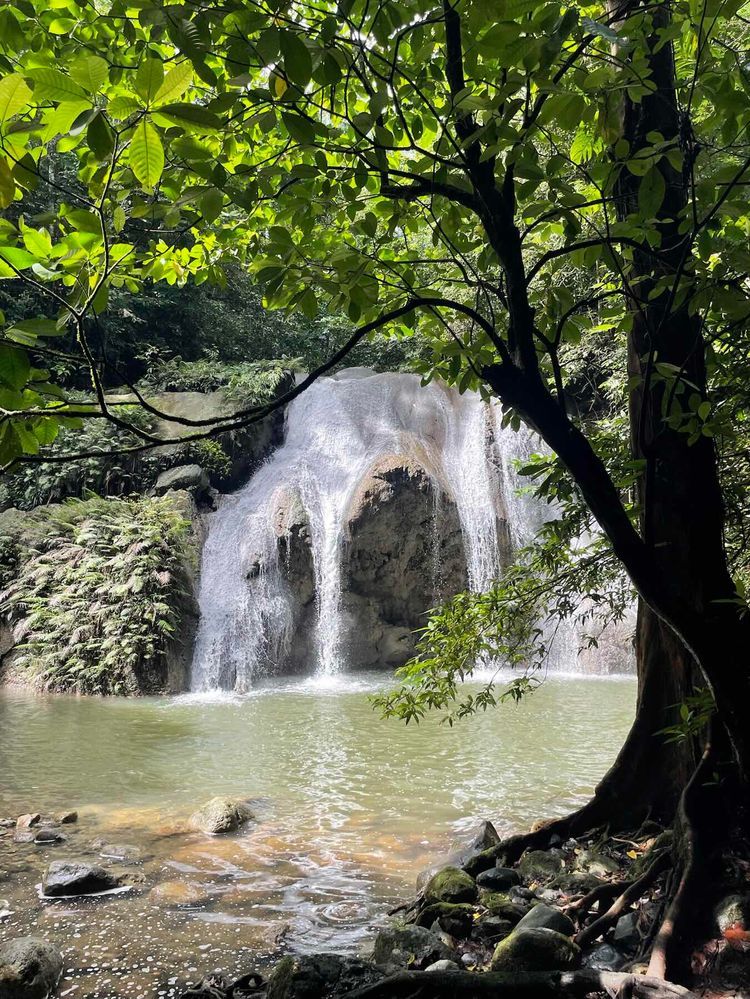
335,431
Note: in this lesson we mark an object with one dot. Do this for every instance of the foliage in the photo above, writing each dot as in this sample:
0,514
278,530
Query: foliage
97,598
249,383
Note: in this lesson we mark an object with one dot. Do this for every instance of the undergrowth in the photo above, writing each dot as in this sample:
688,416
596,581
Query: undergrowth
95,593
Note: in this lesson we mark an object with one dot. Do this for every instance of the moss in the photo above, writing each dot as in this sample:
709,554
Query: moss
450,885
535,950
451,913
500,904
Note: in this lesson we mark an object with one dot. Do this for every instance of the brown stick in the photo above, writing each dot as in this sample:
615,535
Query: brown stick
552,985
628,897
598,894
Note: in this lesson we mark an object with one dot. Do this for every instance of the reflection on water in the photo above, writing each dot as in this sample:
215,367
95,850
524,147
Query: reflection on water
350,808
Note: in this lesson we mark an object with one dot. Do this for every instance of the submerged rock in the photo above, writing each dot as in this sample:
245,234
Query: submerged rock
450,885
412,946
535,949
30,968
71,877
177,893
221,815
311,976
547,917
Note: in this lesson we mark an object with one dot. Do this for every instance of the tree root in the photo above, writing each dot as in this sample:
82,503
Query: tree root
582,906
551,985
631,894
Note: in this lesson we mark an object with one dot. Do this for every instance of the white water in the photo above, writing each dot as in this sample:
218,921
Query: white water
334,432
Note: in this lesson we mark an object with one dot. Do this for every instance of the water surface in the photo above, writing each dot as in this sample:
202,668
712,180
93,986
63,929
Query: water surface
349,809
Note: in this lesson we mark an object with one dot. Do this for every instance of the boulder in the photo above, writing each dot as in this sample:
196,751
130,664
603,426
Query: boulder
626,933
547,917
540,864
311,976
498,879
596,863
46,836
190,477
67,818
502,905
481,837
535,949
221,815
28,820
604,957
30,968
450,885
71,877
491,929
408,946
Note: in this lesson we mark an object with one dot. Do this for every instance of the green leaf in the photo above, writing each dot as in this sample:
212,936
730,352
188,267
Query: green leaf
210,204
123,107
195,115
52,85
14,96
7,185
146,154
17,257
100,137
90,71
651,193
300,129
14,366
149,78
175,83
297,60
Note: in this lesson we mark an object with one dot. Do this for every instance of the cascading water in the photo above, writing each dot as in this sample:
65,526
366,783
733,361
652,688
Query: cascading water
335,431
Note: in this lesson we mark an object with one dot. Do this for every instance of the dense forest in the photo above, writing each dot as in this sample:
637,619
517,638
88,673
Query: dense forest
210,210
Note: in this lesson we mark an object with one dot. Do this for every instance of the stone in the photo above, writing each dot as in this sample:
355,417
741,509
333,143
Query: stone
733,913
7,823
491,929
123,853
482,836
177,893
221,815
501,905
540,864
444,965
28,820
30,968
596,863
408,946
576,882
626,934
547,917
44,836
456,920
67,818
469,960
71,877
190,477
5,909
535,949
604,957
311,976
498,879
450,885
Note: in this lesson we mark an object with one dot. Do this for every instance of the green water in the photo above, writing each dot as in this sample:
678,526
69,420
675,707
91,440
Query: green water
350,808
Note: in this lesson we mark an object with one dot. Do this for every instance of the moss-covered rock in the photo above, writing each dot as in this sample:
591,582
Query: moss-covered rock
500,904
400,946
456,919
450,885
535,949
221,815
538,865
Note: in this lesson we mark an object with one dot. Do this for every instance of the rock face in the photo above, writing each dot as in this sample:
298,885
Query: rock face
70,877
29,968
190,477
221,815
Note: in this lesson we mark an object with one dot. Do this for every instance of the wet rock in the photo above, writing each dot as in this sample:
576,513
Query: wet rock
546,917
443,966
67,818
733,913
412,946
30,968
626,933
28,820
521,895
5,909
498,879
450,885
540,864
121,852
177,893
483,836
469,960
23,836
456,920
535,949
501,905
314,975
221,815
70,877
604,957
491,929
7,823
44,836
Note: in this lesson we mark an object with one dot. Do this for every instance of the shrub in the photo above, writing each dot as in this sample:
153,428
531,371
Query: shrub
98,594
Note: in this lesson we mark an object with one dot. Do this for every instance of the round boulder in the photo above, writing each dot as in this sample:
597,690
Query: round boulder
546,917
30,968
415,946
221,815
71,877
498,879
535,949
450,885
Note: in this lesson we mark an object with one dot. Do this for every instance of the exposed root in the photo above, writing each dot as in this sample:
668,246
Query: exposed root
602,893
552,985
621,904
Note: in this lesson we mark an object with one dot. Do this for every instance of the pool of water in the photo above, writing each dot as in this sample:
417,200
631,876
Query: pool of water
350,808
